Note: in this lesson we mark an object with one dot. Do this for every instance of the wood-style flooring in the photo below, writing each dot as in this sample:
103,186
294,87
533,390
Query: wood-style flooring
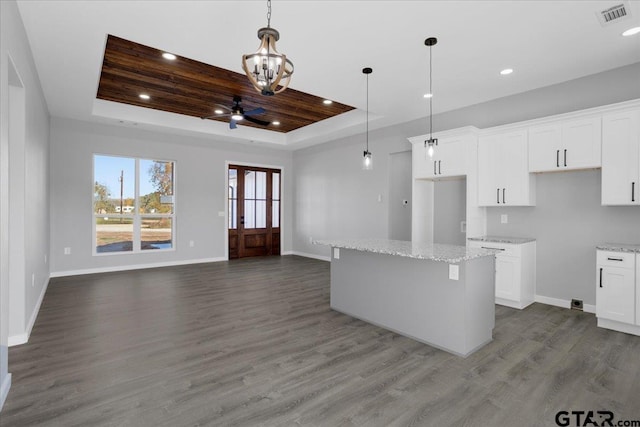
254,342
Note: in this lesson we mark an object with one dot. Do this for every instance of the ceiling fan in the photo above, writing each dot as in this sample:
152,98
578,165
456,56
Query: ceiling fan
237,113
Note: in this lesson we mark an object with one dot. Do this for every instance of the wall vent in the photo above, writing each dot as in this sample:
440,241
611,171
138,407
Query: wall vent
614,14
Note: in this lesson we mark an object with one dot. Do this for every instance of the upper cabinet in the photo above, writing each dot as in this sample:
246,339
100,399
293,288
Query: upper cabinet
449,158
621,158
503,172
567,145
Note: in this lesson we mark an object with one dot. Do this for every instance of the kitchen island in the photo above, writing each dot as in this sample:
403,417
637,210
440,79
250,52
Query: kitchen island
442,295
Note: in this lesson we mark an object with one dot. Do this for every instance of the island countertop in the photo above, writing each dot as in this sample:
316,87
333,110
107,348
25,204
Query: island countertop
498,239
451,254
619,247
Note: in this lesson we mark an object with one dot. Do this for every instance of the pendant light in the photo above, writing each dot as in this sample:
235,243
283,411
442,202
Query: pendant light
266,68
367,161
432,142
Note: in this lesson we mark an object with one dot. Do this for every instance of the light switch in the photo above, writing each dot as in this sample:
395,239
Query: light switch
454,272
336,253
504,219
221,213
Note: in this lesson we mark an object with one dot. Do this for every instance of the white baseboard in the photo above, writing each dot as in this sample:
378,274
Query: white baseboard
314,256
134,267
23,338
4,390
587,308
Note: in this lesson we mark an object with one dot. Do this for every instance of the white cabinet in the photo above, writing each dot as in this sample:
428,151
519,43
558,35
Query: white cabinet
621,158
515,272
449,159
618,291
568,145
615,292
503,170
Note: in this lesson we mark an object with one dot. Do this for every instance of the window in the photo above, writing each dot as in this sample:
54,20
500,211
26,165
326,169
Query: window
133,204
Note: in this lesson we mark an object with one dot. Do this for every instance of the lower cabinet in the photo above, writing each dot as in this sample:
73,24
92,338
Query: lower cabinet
617,289
515,272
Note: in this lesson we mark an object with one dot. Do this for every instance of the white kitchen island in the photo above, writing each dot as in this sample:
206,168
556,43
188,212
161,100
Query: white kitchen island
412,289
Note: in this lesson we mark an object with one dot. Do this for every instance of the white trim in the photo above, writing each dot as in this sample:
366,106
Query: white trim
587,308
135,267
618,326
314,256
24,337
4,390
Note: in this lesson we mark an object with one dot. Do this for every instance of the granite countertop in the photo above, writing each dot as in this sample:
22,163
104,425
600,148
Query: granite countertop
502,239
619,247
451,254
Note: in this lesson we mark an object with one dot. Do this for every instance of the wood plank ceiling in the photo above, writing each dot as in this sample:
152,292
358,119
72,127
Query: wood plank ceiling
193,88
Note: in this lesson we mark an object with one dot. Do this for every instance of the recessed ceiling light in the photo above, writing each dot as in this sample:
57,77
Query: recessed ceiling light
169,56
327,102
631,31
218,111
275,123
506,71
144,96
428,95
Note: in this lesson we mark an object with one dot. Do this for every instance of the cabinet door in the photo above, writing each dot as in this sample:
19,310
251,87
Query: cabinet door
508,277
514,188
545,148
581,144
615,294
451,158
621,158
489,159
638,289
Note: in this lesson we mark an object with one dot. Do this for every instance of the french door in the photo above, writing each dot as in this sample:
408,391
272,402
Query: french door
254,211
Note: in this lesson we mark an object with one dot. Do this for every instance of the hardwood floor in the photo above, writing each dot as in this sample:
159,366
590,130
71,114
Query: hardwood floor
254,342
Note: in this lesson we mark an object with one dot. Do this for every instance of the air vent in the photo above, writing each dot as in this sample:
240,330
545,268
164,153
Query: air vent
614,14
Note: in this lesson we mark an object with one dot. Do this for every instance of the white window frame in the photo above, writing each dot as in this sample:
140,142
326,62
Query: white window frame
136,215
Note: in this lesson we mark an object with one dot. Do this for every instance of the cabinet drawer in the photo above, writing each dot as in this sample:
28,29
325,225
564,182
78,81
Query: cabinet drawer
616,259
506,249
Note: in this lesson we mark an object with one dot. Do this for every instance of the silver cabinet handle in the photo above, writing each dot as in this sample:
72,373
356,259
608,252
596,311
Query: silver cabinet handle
565,157
557,158
495,249
615,259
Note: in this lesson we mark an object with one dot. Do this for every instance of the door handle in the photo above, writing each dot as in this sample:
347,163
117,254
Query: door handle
503,196
600,277
557,158
439,171
498,195
565,157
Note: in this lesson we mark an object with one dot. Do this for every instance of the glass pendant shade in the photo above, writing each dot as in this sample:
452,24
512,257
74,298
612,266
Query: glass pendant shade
268,71
367,161
430,150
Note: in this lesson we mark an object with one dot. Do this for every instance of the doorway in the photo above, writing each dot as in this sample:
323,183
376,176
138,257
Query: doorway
254,211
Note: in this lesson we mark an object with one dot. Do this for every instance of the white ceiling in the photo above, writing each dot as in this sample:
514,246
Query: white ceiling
545,42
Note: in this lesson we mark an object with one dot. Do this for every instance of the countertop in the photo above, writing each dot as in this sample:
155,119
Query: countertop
451,254
502,239
619,247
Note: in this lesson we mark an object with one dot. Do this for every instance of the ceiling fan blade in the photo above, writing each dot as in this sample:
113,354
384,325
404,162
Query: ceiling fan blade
256,121
232,124
254,112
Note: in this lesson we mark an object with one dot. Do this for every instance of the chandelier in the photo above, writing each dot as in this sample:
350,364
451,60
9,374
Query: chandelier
268,71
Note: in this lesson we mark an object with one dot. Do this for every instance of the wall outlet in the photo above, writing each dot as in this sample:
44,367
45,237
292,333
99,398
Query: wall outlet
454,272
67,251
336,253
504,219
33,280
45,258
379,198
310,240
191,243
221,213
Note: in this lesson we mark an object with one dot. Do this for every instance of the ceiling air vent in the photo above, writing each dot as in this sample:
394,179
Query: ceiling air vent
614,14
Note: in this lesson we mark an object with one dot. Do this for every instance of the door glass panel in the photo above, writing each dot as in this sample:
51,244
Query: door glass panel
261,214
275,215
233,199
276,186
249,214
261,185
249,185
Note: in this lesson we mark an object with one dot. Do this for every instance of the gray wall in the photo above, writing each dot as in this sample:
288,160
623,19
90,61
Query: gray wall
32,236
450,202
568,222
399,190
334,198
201,191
